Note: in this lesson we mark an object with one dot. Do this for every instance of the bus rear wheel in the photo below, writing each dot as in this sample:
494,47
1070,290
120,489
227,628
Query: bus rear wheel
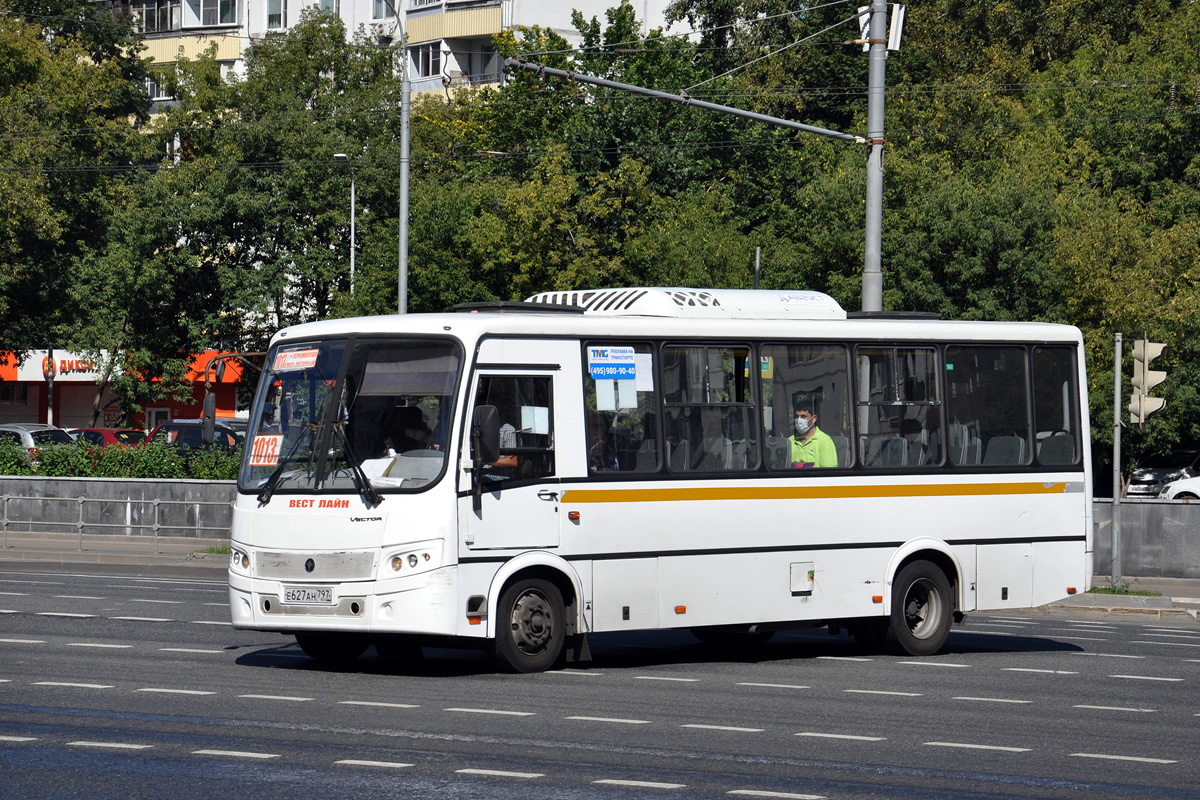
332,648
530,627
922,610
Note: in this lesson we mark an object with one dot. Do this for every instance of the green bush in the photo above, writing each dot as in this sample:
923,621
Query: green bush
14,459
154,460
64,461
215,464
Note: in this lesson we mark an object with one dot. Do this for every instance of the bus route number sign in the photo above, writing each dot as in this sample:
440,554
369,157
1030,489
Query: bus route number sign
612,363
265,451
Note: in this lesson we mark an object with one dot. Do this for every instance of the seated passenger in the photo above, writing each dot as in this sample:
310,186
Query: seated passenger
810,446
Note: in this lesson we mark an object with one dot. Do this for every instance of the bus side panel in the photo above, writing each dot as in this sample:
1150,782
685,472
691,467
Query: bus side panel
625,595
770,587
1051,576
1007,582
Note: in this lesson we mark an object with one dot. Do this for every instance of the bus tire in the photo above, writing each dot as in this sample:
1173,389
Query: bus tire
332,648
530,626
922,610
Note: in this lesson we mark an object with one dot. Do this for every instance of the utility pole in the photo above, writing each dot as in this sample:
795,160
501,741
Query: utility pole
1116,471
405,114
872,280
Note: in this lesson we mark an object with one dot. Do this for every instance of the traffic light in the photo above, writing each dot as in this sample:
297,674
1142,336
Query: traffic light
1141,404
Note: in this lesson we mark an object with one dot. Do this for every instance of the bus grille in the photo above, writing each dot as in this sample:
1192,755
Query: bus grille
324,566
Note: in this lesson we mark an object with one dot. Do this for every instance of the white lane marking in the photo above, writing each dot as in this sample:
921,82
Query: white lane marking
356,763
1147,678
5,680
787,795
1083,630
1124,758
9,611
233,754
111,745
723,728
75,597
1090,622
1083,639
974,632
576,672
1117,708
1105,655
658,678
966,746
612,719
1172,630
379,705
62,614
164,602
875,691
1008,624
143,619
843,658
847,736
186,650
1167,644
15,594
18,738
104,646
933,664
209,622
642,784
23,641
73,685
993,700
499,773
172,691
491,711
275,697
774,685
1043,671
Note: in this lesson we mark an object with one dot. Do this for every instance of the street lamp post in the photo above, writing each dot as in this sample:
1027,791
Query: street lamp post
344,160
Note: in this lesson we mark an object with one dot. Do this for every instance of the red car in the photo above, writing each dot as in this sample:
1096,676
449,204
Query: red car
101,437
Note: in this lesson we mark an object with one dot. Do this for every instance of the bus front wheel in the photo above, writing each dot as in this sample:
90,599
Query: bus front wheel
922,610
530,627
332,648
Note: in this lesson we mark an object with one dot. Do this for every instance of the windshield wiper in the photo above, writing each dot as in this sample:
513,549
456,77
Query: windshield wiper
273,479
365,488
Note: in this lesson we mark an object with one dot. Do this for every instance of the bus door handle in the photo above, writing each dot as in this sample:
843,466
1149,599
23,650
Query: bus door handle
546,494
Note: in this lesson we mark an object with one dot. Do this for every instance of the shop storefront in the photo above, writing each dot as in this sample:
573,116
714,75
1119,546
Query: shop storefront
25,391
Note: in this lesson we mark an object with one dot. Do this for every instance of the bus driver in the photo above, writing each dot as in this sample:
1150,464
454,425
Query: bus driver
811,446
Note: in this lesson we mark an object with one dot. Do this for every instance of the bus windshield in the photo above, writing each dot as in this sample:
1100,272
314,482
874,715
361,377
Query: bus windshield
364,415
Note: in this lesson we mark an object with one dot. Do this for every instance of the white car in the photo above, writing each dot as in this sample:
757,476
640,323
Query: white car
1185,489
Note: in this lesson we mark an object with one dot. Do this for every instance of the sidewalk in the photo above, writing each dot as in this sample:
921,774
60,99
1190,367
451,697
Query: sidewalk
182,557
171,555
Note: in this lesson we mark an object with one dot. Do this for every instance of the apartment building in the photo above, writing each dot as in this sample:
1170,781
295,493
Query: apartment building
449,41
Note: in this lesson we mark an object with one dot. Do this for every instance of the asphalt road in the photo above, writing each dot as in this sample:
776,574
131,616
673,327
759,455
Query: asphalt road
138,687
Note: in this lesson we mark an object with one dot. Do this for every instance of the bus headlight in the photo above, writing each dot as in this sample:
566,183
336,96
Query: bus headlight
419,558
239,559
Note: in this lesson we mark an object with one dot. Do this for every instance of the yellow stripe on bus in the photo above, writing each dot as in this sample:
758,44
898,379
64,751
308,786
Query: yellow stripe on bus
807,492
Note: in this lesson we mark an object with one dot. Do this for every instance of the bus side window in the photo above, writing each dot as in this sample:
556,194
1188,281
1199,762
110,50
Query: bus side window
526,410
621,428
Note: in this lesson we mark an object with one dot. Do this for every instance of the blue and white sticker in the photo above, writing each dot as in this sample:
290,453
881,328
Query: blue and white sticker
612,363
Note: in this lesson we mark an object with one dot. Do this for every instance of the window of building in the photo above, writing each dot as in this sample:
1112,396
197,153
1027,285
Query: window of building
383,9
427,59
423,3
218,12
155,16
14,393
332,6
276,14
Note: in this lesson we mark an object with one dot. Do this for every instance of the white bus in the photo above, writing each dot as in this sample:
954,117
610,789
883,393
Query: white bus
519,475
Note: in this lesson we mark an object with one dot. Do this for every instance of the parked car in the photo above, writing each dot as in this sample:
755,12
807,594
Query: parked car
32,435
1184,489
1149,479
102,437
189,434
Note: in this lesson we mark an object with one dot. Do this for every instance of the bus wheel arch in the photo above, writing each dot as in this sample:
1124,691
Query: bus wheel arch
535,613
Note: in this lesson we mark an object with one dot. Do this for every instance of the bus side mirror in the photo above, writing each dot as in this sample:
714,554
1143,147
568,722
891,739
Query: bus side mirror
208,426
485,448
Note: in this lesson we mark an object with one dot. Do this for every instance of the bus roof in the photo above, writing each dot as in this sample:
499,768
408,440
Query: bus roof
681,313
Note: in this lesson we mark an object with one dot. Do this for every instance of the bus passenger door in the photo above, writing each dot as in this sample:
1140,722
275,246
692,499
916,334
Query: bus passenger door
520,503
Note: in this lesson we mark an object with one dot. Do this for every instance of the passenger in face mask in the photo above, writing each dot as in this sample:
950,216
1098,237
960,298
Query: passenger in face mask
811,447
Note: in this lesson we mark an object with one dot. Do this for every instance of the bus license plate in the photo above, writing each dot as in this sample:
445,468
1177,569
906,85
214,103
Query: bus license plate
308,595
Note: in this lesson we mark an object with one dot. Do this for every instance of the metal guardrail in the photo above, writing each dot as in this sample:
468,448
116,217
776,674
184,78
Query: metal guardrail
154,521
